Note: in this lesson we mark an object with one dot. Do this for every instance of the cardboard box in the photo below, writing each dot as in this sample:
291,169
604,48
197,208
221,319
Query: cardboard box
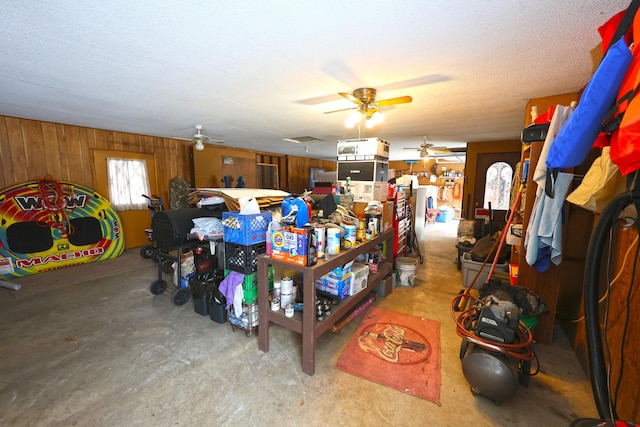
320,285
365,191
373,267
387,215
340,288
360,278
341,272
293,248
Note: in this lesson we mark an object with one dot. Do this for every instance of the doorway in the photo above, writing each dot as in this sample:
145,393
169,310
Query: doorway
489,170
133,222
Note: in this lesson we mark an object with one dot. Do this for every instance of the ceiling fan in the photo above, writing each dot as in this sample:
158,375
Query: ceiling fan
428,150
200,139
367,107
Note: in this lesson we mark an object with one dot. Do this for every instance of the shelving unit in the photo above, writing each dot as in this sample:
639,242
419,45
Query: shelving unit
305,323
400,224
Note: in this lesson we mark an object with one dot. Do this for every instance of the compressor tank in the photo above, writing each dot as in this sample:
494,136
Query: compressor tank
490,373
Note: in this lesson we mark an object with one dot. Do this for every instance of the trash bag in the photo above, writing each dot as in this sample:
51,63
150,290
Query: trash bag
486,247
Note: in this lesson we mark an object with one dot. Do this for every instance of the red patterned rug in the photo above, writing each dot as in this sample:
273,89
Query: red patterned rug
396,350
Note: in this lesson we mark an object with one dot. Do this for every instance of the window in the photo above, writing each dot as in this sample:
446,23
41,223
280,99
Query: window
128,181
497,187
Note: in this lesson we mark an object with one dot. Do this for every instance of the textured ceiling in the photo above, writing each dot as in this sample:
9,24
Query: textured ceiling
256,72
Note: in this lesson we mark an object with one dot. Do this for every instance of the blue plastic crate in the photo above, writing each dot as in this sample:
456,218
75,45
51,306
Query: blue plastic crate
445,215
245,229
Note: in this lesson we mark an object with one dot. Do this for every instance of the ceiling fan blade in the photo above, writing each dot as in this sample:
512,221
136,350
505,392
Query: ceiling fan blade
417,81
439,150
394,101
350,97
337,111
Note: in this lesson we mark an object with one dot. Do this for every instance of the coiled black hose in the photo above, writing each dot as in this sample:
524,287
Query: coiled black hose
597,367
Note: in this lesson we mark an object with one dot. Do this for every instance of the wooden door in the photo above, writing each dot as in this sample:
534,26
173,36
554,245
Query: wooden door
133,222
484,161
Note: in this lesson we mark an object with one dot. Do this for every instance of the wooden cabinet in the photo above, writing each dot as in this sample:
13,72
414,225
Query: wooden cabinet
305,323
544,284
551,284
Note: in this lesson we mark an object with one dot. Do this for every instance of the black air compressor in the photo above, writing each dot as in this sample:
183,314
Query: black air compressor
498,320
491,368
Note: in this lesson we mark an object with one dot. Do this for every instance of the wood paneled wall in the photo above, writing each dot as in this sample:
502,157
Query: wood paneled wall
32,149
299,169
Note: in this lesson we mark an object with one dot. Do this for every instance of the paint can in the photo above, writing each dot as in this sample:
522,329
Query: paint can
286,291
333,241
320,232
275,304
288,310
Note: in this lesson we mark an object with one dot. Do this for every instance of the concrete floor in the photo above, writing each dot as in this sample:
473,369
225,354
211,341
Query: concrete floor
106,352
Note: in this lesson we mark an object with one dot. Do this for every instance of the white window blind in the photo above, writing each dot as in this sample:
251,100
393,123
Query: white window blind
128,181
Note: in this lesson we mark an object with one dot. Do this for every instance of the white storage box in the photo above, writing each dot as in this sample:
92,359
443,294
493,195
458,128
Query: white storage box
365,191
360,273
470,268
363,149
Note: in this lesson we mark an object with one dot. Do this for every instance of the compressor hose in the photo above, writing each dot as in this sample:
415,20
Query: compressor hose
595,251
465,324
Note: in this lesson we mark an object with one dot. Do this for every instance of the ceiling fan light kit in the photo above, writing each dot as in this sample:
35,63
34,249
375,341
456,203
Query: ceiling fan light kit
367,107
428,151
199,139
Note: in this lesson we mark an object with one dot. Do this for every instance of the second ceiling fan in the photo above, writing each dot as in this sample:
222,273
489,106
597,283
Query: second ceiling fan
367,107
429,150
199,139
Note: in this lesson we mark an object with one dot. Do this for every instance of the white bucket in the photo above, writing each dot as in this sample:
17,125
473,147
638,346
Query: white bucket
406,271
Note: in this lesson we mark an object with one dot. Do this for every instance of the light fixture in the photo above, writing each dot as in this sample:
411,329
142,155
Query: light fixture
378,117
369,122
199,146
370,114
355,116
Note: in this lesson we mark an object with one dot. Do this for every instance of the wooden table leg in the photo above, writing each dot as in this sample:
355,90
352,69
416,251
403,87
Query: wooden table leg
263,306
308,326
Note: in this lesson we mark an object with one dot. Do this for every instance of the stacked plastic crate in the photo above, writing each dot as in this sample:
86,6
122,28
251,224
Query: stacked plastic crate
244,240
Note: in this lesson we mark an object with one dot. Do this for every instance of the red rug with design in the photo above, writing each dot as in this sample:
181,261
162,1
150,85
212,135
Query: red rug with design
396,350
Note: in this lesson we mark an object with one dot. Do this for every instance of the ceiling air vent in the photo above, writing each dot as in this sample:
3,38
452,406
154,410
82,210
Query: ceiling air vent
301,139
